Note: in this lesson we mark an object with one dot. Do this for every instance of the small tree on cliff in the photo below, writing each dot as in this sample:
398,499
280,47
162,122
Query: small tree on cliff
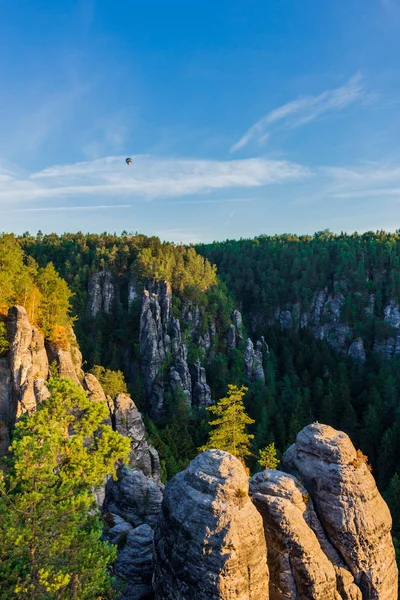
50,533
230,426
267,457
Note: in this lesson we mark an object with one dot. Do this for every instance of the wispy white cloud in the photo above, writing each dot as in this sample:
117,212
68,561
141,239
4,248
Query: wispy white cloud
68,208
367,181
303,110
148,177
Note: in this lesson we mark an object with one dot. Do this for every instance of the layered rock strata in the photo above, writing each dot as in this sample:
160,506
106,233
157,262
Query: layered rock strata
133,497
209,541
350,509
303,564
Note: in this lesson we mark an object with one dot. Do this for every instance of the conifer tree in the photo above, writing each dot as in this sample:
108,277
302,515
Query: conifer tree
230,426
50,533
267,457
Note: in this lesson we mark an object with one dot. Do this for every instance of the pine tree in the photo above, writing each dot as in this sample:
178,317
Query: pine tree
229,431
267,457
50,533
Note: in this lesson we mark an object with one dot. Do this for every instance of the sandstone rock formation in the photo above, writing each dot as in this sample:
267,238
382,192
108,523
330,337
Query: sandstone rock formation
201,390
133,497
164,352
7,413
302,563
324,320
253,360
134,564
128,421
101,293
357,351
27,360
351,511
209,541
68,361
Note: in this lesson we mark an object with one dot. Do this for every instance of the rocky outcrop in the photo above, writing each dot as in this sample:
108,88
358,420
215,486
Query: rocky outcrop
323,318
253,360
357,351
134,564
133,497
154,340
209,541
27,361
7,412
127,420
164,352
350,509
201,390
68,360
93,388
101,293
302,563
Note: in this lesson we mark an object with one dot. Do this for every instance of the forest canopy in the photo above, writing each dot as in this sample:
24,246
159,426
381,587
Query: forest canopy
40,290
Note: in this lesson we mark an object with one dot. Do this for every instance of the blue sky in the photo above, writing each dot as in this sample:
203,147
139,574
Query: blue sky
242,117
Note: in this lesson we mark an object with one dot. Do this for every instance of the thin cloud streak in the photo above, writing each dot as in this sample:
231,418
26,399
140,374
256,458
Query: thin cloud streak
149,177
302,111
69,208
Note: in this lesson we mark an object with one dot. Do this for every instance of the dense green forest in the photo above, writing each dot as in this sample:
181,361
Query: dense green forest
266,272
43,293
306,380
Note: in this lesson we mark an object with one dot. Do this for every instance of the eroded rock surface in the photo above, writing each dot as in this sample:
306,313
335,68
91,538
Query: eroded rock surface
68,360
128,421
302,563
101,293
134,564
209,541
352,512
165,352
253,360
27,361
134,497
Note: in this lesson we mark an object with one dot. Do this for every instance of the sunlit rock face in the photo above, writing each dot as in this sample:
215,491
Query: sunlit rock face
27,360
303,564
350,509
209,541
101,293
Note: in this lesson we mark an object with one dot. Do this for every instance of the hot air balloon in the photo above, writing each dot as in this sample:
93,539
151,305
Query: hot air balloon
128,161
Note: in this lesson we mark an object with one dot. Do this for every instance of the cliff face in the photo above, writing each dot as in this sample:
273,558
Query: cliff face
134,500
209,541
350,509
302,562
101,293
23,375
164,349
165,354
323,318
